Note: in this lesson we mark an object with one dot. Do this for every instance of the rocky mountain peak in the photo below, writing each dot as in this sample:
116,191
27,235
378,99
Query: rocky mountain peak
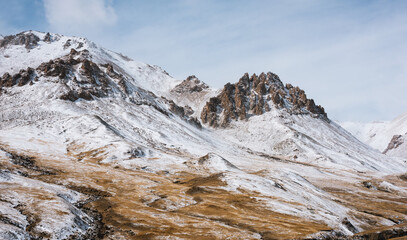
79,76
255,95
190,85
28,39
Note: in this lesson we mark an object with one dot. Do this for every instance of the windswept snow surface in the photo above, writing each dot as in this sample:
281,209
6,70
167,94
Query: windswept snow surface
285,160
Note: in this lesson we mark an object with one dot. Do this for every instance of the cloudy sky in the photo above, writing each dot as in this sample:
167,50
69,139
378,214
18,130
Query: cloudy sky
350,56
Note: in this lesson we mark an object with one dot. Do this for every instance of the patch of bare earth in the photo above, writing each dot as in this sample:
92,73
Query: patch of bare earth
132,204
141,205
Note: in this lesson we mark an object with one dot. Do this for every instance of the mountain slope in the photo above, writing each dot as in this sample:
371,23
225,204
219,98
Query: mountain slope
126,138
379,135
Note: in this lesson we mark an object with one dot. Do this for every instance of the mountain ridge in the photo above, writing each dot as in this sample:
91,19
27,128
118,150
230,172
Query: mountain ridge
102,121
379,135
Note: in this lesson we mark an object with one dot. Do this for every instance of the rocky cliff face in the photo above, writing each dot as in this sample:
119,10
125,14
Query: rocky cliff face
256,95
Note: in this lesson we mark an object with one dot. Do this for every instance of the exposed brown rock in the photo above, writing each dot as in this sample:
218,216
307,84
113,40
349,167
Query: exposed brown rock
209,113
47,38
267,107
261,88
111,72
190,85
394,143
29,40
26,76
73,52
259,109
89,69
255,95
177,110
277,100
18,79
58,68
93,83
183,112
70,96
228,104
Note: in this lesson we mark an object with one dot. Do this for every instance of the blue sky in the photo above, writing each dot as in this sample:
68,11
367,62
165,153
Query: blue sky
350,56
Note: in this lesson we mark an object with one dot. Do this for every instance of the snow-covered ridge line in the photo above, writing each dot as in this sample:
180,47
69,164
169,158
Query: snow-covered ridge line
31,48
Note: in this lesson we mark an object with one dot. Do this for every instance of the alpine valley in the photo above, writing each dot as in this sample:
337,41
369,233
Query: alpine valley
95,145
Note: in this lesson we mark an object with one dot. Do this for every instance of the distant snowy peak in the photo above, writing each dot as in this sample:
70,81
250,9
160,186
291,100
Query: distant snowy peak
256,95
378,135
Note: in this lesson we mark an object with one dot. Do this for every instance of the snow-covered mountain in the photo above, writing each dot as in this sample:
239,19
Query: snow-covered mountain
120,149
386,136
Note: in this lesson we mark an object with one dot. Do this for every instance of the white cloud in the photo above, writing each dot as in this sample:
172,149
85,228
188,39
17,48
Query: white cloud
79,16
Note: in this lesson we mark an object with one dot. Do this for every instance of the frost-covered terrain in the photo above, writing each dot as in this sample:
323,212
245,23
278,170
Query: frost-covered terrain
384,136
115,149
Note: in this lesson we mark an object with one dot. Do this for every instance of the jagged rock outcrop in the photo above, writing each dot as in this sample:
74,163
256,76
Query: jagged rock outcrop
20,79
394,143
190,85
47,38
211,111
184,113
29,40
91,81
254,96
84,79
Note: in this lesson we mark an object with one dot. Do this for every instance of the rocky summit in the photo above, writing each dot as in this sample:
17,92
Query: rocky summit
95,145
254,96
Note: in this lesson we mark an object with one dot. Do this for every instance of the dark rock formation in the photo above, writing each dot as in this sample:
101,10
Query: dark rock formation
58,68
67,44
19,79
254,96
211,112
91,82
29,40
183,112
47,38
189,85
394,143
